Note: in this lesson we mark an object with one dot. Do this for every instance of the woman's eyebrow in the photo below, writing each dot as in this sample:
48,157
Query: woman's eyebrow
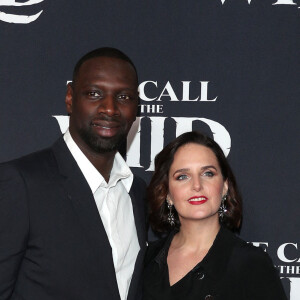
202,169
181,170
209,167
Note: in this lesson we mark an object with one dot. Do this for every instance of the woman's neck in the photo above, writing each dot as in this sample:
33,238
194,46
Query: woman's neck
197,235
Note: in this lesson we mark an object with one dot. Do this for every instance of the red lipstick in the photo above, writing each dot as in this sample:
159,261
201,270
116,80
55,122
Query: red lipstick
197,200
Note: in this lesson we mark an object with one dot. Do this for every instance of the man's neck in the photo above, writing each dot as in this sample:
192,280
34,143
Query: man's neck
103,162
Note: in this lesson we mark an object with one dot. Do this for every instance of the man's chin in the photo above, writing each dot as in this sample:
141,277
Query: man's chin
104,144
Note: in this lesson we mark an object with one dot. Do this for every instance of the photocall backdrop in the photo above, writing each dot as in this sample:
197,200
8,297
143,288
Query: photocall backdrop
227,67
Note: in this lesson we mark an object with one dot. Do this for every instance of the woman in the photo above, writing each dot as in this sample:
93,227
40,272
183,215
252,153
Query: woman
193,196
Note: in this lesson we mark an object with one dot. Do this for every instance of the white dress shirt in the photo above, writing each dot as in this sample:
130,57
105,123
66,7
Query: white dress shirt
115,209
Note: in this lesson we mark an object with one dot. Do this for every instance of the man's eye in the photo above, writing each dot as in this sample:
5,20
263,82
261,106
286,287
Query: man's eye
93,94
124,97
182,177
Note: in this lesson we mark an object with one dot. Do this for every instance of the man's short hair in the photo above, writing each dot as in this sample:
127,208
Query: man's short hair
105,52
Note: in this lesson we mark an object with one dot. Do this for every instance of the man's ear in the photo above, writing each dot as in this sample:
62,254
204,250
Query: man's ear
69,98
138,103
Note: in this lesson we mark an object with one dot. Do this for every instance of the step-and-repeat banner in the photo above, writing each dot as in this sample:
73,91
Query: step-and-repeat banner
227,67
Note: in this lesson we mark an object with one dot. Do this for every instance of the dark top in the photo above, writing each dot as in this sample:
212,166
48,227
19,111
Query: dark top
232,269
53,245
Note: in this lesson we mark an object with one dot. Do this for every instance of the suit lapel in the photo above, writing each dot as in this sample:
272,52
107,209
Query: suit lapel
82,199
137,195
138,212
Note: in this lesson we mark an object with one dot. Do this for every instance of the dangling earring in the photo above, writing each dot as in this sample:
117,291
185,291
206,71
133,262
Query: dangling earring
222,210
171,218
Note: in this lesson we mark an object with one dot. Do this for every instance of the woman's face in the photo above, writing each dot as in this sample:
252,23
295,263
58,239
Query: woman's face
196,184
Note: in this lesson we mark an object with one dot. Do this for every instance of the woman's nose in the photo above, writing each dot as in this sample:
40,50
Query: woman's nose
196,184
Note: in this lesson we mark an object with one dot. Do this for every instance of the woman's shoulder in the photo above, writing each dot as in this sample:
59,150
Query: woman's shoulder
158,248
227,238
254,269
246,252
241,254
156,245
251,259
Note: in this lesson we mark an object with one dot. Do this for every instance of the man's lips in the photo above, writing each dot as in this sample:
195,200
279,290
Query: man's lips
106,124
106,128
197,200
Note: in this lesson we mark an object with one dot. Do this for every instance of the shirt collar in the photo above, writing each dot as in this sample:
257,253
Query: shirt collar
120,170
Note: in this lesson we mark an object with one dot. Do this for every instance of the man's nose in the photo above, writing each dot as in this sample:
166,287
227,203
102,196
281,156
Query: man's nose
108,105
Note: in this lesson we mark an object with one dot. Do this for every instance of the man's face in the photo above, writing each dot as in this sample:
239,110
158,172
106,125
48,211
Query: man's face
102,103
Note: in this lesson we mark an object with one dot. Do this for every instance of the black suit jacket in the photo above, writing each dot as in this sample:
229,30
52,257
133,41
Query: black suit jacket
231,270
52,241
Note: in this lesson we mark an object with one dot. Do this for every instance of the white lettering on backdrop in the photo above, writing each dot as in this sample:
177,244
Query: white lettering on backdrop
19,19
26,19
287,270
220,134
183,124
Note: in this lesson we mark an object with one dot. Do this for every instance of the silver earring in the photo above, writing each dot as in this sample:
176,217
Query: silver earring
171,218
222,210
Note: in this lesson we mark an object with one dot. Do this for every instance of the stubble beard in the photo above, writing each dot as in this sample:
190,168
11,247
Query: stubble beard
101,144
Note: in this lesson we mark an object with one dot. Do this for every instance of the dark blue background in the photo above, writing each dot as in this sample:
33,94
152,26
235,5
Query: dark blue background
248,53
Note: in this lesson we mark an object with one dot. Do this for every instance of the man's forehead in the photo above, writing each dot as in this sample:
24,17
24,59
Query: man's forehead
106,64
106,72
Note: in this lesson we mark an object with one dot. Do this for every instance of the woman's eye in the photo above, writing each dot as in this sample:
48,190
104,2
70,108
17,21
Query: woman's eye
209,174
181,177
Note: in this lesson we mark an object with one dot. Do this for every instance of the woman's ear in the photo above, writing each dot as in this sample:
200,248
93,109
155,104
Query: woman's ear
169,200
225,187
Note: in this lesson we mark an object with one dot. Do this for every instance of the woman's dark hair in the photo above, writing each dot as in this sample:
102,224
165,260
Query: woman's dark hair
159,185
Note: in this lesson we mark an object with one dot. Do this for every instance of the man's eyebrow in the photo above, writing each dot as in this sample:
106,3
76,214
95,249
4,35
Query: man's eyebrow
90,85
99,86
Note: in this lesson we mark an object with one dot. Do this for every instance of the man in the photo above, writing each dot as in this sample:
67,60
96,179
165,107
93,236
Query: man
72,216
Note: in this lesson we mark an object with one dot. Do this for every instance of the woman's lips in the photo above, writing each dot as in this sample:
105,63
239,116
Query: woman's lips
197,200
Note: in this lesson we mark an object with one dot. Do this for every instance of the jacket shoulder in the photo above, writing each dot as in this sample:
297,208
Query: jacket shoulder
153,249
255,269
138,188
33,163
248,253
138,182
